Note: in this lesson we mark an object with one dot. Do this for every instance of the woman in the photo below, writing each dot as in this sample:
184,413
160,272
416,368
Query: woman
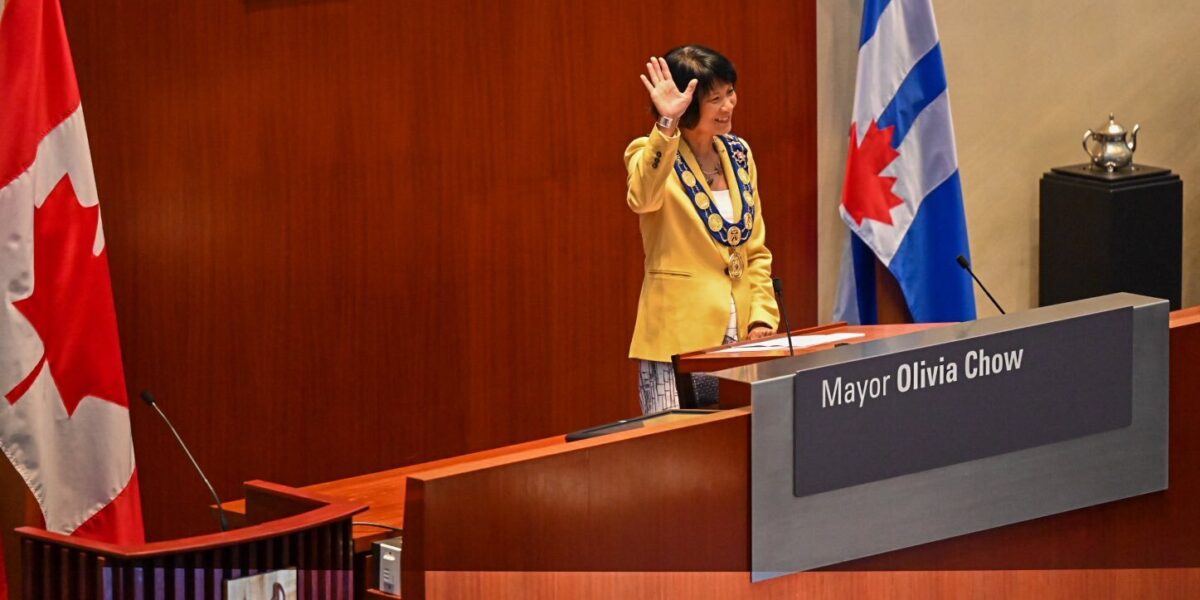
694,187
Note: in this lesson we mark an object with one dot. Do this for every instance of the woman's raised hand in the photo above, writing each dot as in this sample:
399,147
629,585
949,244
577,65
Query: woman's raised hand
667,99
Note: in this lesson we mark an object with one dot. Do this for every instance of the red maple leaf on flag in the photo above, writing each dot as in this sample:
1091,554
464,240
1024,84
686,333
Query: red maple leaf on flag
71,307
867,194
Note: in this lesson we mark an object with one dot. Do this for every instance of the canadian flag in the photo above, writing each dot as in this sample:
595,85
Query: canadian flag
64,415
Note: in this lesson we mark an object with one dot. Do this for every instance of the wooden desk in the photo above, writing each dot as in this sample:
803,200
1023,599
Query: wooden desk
663,512
716,359
384,492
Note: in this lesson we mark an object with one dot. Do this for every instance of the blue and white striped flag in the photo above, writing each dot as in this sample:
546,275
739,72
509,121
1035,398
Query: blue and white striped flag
902,197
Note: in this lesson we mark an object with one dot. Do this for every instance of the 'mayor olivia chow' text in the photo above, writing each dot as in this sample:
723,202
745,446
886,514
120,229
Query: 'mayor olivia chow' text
919,375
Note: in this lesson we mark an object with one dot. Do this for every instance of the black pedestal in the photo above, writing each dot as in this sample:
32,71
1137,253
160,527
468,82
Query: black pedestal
1110,232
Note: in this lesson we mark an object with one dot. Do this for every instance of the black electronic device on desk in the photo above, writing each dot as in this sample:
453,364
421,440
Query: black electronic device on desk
665,416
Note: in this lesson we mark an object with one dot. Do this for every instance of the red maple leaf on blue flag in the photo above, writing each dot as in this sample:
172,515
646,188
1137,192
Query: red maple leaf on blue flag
71,307
867,194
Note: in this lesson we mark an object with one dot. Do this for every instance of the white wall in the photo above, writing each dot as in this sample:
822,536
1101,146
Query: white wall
1027,78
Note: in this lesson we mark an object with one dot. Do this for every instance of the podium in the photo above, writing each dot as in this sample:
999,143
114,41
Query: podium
284,528
668,510
908,442
728,356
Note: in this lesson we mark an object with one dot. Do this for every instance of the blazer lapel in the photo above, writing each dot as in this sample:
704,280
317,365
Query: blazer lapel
731,180
694,165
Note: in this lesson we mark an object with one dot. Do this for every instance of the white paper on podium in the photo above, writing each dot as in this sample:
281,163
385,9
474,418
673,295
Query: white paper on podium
798,341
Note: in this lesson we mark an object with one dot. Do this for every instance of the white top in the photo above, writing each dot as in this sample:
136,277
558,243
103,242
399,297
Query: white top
725,207
724,204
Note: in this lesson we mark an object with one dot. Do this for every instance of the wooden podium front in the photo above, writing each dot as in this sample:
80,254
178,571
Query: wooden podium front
663,511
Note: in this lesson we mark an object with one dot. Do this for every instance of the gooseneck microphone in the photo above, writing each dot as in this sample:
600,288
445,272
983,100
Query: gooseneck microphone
966,265
148,398
777,283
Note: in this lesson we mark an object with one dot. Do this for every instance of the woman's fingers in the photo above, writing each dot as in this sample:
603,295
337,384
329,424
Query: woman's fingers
652,69
646,82
658,81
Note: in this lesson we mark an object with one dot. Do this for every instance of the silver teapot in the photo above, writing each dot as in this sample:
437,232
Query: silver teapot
1112,146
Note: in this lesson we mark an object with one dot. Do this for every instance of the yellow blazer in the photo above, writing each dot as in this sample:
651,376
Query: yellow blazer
684,305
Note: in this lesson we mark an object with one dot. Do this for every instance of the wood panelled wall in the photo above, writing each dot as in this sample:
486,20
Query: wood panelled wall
351,235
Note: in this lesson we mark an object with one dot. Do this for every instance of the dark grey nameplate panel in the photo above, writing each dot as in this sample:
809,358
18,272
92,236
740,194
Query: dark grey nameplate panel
909,412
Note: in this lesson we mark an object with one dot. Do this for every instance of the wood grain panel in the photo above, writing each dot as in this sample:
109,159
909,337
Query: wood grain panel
347,236
668,497
1133,584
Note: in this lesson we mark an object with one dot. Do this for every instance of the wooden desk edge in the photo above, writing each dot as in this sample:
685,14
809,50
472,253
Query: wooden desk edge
1185,316
523,455
362,488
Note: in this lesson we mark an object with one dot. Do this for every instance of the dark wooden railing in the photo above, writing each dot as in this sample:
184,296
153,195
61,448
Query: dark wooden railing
284,528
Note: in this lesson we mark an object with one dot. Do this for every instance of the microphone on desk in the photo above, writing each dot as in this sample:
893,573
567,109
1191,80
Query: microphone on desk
966,265
148,398
777,284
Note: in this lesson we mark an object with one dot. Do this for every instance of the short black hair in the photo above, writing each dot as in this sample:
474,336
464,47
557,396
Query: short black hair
707,66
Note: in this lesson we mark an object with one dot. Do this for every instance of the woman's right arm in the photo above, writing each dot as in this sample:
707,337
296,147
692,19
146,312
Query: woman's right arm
649,160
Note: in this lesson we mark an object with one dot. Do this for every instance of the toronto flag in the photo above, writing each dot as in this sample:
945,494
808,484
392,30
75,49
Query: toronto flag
902,198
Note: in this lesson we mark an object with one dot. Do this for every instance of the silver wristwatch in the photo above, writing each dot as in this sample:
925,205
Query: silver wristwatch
665,122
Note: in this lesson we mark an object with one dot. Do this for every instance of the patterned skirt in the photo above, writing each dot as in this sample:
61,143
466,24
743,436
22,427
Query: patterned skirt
656,380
